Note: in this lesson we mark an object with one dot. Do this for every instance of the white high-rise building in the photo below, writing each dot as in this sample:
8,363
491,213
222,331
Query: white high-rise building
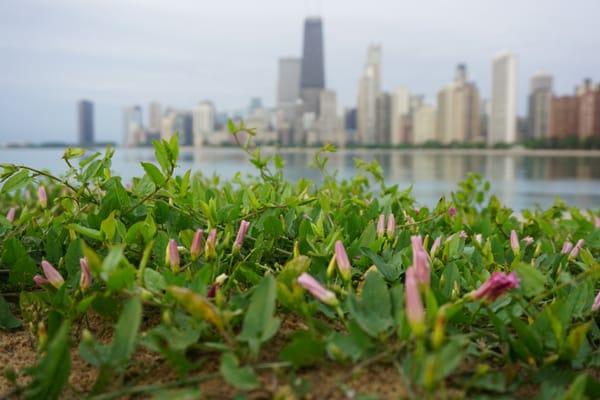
503,117
400,108
368,91
329,124
540,97
133,126
288,94
424,124
167,126
154,117
203,121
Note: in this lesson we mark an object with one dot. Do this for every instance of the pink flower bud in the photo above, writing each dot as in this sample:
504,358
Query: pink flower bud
85,281
316,289
40,280
211,244
567,246
343,263
381,226
498,284
52,275
239,240
435,246
528,240
420,260
597,222
42,197
575,251
172,256
452,211
10,215
196,246
596,305
514,242
391,226
415,313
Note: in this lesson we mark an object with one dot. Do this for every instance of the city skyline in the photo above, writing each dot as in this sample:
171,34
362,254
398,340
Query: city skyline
48,69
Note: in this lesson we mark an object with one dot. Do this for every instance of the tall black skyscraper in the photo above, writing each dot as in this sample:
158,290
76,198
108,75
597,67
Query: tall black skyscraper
312,79
85,123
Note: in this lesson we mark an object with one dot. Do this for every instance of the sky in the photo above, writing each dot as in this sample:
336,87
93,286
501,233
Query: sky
179,52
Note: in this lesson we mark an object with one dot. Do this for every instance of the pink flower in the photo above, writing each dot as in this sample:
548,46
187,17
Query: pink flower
514,242
596,305
196,246
211,244
597,222
316,289
435,246
575,251
343,263
40,280
415,313
239,239
42,196
528,240
498,284
52,275
452,211
85,281
391,226
420,261
172,256
10,215
381,226
567,246
463,235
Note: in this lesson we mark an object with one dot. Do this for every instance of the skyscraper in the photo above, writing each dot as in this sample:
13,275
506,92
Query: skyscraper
154,117
540,97
458,117
400,109
329,124
85,122
368,90
503,117
288,94
424,124
203,121
312,78
383,109
133,126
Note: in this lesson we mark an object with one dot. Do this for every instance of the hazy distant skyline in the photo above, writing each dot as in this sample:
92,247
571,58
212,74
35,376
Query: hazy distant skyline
118,53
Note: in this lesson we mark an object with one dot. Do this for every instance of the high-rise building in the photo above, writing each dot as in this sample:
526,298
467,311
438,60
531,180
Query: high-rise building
424,124
540,96
133,126
154,117
369,88
167,128
288,94
85,122
400,109
564,116
329,123
383,110
203,121
458,118
503,117
312,78
183,126
589,110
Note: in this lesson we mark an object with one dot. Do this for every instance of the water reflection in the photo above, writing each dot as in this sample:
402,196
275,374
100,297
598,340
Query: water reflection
521,181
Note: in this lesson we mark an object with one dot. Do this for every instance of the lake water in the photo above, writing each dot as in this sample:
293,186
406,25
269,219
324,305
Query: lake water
521,179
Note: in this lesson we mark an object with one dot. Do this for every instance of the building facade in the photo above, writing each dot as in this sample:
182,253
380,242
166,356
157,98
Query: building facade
133,126
399,110
540,97
312,79
369,88
424,124
85,122
383,129
503,117
203,122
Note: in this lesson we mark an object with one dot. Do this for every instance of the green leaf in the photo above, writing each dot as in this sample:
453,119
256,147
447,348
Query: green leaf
154,173
259,323
7,319
242,378
304,349
373,311
73,152
52,373
126,331
390,272
162,155
532,280
15,181
22,267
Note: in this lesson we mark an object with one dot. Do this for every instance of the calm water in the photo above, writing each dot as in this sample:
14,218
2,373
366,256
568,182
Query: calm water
521,181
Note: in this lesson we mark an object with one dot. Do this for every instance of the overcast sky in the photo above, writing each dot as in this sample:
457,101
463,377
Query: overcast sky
122,52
